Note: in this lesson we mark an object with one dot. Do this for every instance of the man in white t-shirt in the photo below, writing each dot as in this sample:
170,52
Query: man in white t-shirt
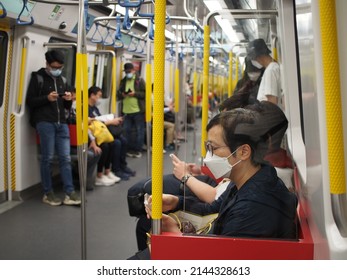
270,86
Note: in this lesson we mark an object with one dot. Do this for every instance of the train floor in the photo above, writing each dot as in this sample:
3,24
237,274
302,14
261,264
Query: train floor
32,230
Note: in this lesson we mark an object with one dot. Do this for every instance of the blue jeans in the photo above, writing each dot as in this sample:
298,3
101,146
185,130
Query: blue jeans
119,153
55,136
136,120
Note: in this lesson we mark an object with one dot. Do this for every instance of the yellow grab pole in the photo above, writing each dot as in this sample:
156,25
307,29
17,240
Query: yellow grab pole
195,89
274,53
79,99
230,81
148,93
158,110
114,86
121,70
205,89
22,71
332,90
85,97
236,72
171,80
177,90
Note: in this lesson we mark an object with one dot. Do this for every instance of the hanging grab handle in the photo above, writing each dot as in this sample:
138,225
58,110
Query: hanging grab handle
19,21
96,32
151,31
126,21
128,4
108,35
118,43
86,15
135,43
4,12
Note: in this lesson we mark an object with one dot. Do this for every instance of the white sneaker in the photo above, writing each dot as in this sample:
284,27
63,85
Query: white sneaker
113,177
103,181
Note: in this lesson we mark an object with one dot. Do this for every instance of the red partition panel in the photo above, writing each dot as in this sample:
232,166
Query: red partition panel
169,246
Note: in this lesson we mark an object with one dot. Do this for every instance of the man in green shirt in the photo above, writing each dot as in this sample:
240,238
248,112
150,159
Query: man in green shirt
132,93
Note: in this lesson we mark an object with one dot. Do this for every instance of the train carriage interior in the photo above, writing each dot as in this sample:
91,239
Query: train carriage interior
194,58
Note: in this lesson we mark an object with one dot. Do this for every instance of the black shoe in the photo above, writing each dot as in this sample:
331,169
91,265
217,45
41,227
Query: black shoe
124,176
128,171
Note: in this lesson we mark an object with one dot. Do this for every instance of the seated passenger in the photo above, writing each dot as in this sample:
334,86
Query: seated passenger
273,127
258,204
117,149
93,153
104,176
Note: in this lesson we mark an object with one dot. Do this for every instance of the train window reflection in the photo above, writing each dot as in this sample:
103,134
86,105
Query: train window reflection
102,75
3,62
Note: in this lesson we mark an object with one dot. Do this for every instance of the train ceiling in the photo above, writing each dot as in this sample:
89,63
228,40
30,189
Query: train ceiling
236,30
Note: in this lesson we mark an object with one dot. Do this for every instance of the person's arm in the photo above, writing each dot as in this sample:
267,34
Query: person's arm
272,99
115,121
140,89
203,191
35,98
273,82
121,90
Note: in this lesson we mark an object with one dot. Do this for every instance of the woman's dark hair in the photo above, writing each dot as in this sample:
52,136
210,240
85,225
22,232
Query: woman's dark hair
235,101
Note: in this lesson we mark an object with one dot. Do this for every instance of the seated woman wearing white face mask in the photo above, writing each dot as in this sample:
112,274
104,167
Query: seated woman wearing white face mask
258,204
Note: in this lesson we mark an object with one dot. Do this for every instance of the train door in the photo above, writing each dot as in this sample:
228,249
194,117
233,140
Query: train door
4,49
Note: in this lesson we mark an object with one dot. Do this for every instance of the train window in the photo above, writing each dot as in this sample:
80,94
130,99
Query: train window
3,55
70,60
103,73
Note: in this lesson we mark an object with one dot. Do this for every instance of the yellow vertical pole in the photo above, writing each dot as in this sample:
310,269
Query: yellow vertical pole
121,70
148,92
22,71
205,89
177,90
332,90
236,72
171,80
230,81
82,117
158,110
274,53
114,83
195,89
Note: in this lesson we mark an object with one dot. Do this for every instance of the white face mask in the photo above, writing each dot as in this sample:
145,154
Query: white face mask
129,75
219,166
55,72
98,103
256,64
253,76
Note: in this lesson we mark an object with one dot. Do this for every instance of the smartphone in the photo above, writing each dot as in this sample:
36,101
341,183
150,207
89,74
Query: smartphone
61,94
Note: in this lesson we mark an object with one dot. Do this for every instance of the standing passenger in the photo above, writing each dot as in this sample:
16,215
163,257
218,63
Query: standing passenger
132,94
270,86
48,97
